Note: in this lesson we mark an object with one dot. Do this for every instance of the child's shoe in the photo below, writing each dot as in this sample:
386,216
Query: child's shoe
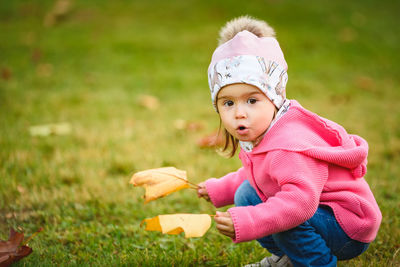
273,261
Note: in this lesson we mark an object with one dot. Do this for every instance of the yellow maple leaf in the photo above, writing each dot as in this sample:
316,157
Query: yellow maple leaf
194,225
160,182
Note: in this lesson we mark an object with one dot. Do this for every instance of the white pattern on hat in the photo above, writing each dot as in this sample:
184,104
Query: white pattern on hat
268,76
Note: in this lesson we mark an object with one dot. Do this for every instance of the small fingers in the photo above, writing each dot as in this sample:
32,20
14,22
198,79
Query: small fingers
202,191
224,220
229,234
224,228
224,224
223,215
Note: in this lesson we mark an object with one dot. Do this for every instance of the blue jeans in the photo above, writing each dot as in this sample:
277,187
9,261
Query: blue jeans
320,241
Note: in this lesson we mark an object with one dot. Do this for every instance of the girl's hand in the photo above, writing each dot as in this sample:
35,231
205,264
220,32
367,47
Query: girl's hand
202,191
225,224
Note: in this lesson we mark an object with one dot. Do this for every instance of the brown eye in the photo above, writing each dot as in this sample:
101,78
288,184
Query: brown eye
228,103
252,101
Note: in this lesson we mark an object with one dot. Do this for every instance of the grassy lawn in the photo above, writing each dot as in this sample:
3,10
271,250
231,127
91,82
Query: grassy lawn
90,70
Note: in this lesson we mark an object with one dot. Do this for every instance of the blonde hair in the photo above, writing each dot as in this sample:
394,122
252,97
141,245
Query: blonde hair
228,31
230,141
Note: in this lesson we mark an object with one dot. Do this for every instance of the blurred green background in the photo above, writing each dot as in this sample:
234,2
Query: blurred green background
128,81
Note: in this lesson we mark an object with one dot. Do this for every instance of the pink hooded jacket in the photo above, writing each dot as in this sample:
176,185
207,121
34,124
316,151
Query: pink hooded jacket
302,162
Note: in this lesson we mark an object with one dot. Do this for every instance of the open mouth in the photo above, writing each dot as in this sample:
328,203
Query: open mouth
242,130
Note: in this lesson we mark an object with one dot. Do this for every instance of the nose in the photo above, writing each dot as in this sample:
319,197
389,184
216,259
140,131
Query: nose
240,112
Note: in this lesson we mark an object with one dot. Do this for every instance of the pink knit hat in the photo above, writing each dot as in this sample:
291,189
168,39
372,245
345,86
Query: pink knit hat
249,59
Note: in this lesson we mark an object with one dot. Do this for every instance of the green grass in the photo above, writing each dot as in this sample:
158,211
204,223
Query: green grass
90,69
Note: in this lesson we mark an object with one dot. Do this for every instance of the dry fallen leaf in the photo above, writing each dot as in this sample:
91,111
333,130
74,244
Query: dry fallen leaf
36,55
194,225
44,70
160,182
6,73
48,129
149,102
179,124
347,35
212,140
190,126
365,83
14,249
59,10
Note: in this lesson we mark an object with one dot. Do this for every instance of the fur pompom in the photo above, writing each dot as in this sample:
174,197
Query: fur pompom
255,26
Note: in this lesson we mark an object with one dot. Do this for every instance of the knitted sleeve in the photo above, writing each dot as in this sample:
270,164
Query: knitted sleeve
222,190
301,180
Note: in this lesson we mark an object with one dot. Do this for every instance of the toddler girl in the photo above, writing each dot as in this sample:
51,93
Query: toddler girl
301,192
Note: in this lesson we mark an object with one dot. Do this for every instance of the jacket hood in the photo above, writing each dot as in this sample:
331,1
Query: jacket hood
300,130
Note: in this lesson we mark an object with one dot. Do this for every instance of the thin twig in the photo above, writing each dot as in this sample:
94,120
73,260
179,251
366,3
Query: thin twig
195,185
195,188
32,236
394,255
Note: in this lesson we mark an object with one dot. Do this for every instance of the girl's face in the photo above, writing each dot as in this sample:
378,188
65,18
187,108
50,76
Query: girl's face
245,111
